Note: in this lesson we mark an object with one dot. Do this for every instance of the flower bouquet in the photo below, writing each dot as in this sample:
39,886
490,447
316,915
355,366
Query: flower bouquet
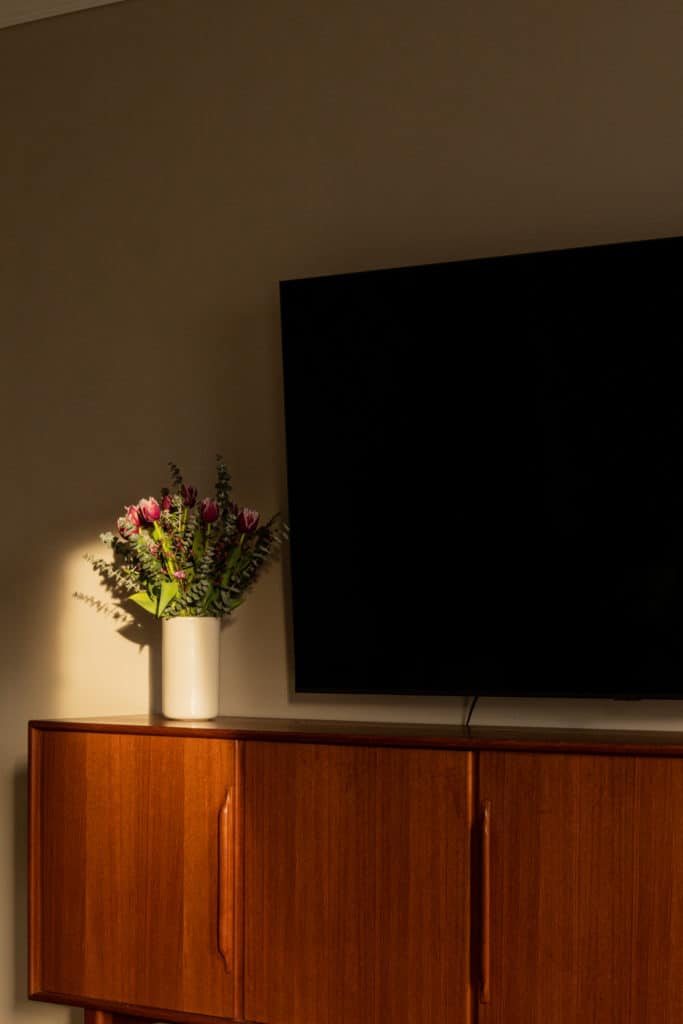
177,556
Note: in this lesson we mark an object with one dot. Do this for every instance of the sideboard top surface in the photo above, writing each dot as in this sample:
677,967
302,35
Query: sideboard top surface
457,737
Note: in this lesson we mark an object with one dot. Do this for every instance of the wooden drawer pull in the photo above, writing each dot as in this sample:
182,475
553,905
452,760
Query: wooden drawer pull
485,992
225,881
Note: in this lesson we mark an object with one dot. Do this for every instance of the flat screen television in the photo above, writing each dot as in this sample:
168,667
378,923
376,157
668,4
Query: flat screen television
485,474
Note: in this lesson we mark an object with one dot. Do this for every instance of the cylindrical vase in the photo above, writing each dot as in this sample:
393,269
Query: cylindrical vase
190,651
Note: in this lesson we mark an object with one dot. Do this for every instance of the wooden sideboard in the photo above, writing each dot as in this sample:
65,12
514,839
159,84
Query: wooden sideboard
347,873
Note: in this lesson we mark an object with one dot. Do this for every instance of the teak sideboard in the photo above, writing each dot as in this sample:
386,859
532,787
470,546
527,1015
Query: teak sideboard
345,873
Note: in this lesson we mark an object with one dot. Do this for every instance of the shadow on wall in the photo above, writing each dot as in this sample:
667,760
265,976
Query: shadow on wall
146,634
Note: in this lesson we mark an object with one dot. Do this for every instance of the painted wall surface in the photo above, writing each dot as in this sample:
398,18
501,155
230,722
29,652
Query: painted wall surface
164,163
15,12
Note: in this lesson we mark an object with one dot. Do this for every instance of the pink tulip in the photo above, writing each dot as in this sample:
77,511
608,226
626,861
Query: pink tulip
247,520
133,514
209,510
149,509
166,502
189,495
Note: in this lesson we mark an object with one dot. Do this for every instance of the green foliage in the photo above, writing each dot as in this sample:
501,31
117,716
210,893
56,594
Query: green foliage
176,556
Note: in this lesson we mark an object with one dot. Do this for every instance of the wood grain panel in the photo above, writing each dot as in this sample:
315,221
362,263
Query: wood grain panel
656,987
127,895
586,889
357,867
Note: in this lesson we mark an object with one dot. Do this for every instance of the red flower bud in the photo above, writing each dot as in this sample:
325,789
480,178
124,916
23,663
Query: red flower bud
149,509
166,502
247,520
209,510
189,495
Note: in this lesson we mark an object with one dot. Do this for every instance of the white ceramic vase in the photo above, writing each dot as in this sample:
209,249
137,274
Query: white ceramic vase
190,649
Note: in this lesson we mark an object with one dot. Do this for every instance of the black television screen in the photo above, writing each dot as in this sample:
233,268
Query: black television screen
485,467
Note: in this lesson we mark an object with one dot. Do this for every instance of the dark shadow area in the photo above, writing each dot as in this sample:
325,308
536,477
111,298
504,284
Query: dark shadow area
147,633
20,884
143,631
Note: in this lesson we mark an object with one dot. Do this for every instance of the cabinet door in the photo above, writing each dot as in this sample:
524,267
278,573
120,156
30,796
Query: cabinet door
356,885
586,889
132,871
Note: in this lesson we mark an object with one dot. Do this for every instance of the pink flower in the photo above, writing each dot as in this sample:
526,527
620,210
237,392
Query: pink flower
149,509
166,502
189,495
247,520
153,548
209,510
133,514
180,574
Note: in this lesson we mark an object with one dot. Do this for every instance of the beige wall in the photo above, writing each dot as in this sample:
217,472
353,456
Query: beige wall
14,12
163,164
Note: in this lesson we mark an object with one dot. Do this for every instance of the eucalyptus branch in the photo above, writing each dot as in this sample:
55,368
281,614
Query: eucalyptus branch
179,556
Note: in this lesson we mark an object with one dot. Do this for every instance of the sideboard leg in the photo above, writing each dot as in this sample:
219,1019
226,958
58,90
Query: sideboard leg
104,1017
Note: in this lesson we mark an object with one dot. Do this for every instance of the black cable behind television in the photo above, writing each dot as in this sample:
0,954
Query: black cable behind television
485,471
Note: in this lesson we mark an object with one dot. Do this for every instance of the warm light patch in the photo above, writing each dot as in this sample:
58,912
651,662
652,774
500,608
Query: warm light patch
103,667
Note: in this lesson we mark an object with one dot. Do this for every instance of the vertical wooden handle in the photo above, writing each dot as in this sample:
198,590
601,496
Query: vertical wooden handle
485,991
226,853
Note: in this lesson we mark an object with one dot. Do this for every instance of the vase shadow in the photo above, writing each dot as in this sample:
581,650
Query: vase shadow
147,633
